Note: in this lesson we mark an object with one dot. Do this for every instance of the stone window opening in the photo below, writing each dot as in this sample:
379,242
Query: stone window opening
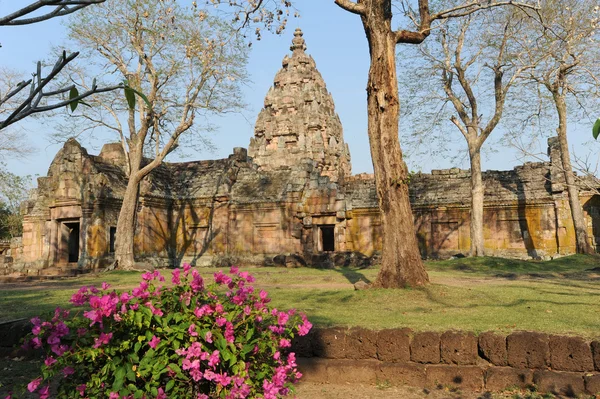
327,238
112,236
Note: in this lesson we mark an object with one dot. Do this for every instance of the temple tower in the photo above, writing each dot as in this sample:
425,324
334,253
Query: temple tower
299,121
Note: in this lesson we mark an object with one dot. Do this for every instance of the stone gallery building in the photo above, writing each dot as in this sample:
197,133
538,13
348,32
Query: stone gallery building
290,197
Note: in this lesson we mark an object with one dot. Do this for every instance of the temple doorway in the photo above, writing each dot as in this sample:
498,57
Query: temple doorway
326,233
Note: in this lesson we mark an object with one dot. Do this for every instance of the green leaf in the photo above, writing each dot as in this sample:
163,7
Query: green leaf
143,97
119,377
130,97
73,93
596,129
169,385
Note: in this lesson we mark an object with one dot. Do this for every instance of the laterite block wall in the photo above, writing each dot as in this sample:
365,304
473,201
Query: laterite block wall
559,364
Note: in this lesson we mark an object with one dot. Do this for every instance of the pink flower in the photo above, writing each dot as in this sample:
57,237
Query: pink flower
221,321
161,394
113,395
105,286
305,327
186,268
214,359
103,339
176,279
233,270
81,388
33,385
49,361
197,283
44,392
154,342
67,371
202,396
192,330
284,343
208,337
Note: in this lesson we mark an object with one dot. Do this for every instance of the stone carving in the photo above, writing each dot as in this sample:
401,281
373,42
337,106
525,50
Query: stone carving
298,121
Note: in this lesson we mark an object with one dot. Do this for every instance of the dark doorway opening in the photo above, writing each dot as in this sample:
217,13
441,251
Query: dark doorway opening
111,239
73,242
327,238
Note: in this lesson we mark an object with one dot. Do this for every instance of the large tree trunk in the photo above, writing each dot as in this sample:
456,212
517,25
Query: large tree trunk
581,235
124,245
401,261
477,192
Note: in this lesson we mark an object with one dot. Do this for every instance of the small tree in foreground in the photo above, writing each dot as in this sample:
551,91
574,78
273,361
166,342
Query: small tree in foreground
180,341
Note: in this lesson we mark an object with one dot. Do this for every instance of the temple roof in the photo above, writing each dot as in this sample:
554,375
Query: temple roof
299,121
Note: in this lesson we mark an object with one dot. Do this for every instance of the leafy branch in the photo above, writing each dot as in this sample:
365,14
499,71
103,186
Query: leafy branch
33,103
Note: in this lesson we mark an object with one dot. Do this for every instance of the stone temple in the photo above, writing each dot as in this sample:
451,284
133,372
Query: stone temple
290,199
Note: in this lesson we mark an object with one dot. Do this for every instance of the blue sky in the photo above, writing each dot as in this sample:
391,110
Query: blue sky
334,38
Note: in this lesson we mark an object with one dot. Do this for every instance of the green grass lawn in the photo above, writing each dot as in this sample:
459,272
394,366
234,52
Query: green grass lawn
559,296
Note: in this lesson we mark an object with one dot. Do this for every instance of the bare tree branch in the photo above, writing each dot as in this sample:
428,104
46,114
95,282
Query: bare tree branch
31,104
351,6
61,8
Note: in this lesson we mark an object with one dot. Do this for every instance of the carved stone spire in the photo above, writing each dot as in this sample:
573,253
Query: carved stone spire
299,121
298,43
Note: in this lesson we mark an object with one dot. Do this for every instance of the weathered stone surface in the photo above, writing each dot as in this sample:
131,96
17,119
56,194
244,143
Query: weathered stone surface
559,382
570,354
592,384
501,378
330,343
299,120
394,345
596,354
412,374
425,347
528,350
361,344
458,348
465,377
492,347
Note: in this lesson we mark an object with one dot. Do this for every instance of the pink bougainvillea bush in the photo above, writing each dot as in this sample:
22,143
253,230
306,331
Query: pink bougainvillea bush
184,340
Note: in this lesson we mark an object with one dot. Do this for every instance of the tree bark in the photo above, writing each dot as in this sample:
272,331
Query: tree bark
581,235
124,244
477,192
401,260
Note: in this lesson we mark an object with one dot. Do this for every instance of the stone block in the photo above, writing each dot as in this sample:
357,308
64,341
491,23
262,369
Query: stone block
492,347
330,343
341,371
425,347
528,350
501,378
394,345
570,354
361,344
402,374
303,346
559,382
313,369
458,347
464,377
592,384
596,354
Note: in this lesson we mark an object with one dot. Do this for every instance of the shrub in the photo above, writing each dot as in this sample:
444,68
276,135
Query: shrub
179,341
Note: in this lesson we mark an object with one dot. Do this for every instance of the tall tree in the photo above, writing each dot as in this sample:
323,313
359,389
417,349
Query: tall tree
186,63
401,261
566,57
475,59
